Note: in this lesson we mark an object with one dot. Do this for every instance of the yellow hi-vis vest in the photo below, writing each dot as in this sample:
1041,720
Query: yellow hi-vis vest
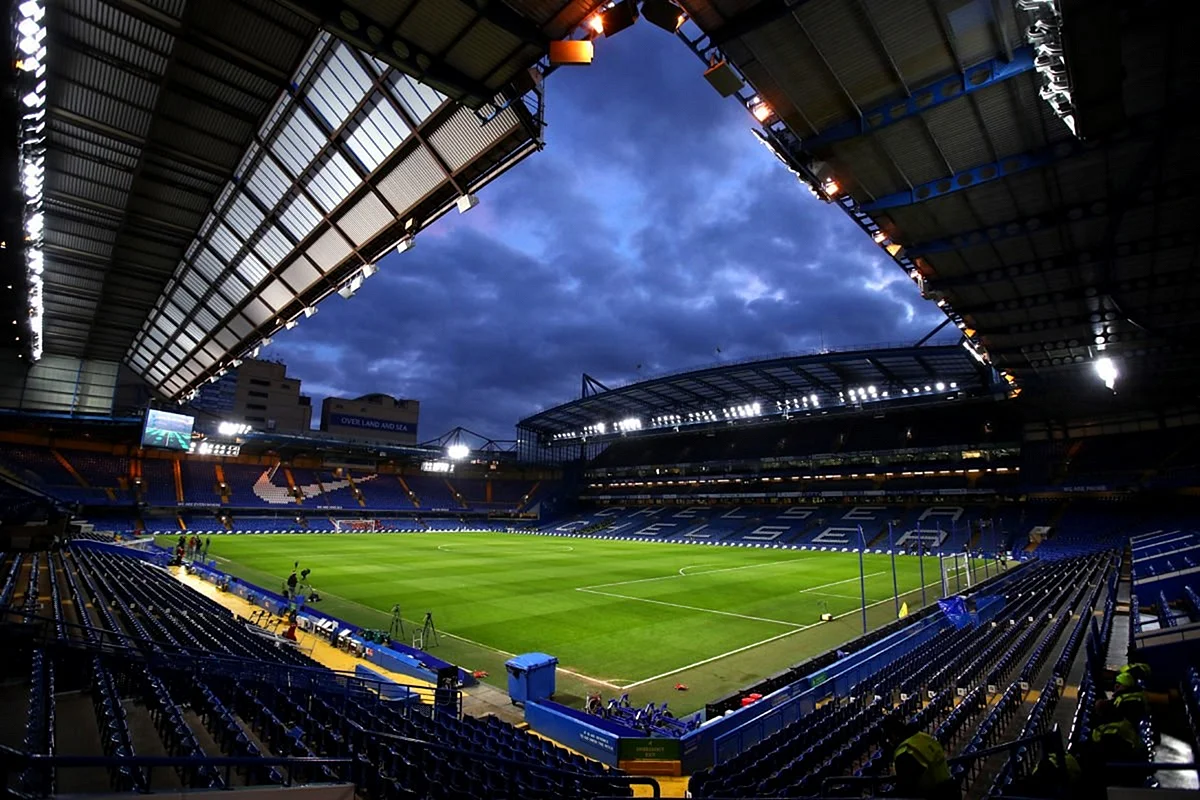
927,752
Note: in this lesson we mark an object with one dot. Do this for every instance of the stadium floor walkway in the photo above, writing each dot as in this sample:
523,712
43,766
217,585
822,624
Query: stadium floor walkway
478,701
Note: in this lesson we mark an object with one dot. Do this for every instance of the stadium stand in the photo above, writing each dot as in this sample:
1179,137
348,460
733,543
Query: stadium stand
171,673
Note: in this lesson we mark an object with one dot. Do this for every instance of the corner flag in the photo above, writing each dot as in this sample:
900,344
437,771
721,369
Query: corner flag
903,611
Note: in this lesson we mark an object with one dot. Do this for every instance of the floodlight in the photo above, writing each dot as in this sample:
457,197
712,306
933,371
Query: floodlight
880,237
369,269
310,310
762,112
405,244
664,14
953,385
571,53
1107,371
291,323
831,187
941,387
458,452
596,24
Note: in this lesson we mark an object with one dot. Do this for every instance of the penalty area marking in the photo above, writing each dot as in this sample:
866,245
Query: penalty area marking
753,645
681,574
693,608
839,583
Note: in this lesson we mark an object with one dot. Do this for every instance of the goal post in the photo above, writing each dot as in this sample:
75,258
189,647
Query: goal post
956,573
356,525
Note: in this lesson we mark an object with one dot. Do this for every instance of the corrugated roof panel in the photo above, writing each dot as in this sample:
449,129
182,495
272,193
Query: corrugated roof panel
300,274
960,138
92,105
97,39
329,250
385,12
276,295
436,24
272,246
413,178
198,59
300,217
479,51
974,29
85,244
76,187
365,218
843,39
905,29
248,32
1003,110
333,182
192,140
913,150
94,73
462,138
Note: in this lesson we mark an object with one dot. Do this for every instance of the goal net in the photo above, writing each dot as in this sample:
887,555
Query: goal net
356,525
957,575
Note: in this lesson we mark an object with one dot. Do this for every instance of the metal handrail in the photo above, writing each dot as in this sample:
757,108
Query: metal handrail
195,658
608,777
13,760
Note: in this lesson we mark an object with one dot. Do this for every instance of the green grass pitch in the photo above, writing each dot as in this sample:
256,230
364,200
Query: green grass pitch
619,615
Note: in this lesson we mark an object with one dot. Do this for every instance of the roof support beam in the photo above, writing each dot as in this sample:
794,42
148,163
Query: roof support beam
1001,168
372,36
175,27
88,124
812,379
753,18
973,79
1026,226
1042,267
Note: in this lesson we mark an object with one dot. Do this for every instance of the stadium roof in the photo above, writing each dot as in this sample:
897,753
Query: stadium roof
775,384
947,131
215,168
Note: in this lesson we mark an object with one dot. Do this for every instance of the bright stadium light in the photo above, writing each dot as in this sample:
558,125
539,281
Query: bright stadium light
1107,371
941,387
457,452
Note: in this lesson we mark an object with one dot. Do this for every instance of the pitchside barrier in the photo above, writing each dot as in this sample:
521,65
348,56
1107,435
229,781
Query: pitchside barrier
722,738
397,657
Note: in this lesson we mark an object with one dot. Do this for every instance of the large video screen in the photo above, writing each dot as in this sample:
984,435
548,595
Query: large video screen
167,430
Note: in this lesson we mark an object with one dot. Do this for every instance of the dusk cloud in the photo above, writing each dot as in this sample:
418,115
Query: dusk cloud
652,231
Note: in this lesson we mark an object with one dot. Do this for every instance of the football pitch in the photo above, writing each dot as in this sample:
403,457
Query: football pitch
619,615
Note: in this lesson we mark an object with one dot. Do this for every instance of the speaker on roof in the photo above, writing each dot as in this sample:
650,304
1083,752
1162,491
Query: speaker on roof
722,78
619,17
664,14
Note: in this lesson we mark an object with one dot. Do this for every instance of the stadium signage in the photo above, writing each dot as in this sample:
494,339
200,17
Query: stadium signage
370,424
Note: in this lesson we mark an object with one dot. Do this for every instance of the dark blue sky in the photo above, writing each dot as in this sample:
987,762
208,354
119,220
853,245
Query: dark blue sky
652,230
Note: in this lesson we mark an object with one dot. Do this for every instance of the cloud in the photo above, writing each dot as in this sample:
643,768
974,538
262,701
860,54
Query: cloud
653,230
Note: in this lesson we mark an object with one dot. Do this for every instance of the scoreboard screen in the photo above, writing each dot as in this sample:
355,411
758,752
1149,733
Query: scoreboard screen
167,430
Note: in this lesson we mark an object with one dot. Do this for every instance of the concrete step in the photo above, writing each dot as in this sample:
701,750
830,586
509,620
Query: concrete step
76,733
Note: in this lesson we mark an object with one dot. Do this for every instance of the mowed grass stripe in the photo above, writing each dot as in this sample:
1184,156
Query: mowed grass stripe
515,593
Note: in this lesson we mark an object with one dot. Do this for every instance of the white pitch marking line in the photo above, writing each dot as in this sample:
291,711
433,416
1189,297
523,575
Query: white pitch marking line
777,637
848,580
691,608
683,570
444,547
579,675
842,596
693,574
